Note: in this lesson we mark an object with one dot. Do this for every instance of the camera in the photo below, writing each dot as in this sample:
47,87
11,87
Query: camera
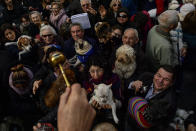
143,89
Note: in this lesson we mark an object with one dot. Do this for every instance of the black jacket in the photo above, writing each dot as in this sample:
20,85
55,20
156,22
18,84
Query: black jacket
162,107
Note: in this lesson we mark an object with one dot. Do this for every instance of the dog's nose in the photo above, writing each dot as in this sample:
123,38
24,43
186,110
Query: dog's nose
120,60
104,101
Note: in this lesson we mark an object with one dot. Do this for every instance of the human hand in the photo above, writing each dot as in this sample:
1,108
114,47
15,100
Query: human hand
107,106
30,8
43,127
191,127
137,85
68,20
36,85
74,112
96,105
36,127
92,11
183,52
102,11
45,48
48,7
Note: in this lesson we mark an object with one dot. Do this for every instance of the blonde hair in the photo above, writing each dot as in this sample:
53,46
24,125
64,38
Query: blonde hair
114,1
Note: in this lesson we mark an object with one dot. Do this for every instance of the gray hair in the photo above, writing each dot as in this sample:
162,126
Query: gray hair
47,27
75,24
85,0
134,30
168,18
35,12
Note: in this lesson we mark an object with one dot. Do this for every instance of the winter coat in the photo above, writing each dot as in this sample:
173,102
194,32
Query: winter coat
190,39
13,16
161,107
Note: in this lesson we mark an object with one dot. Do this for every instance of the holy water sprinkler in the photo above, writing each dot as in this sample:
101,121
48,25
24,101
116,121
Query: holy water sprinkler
57,58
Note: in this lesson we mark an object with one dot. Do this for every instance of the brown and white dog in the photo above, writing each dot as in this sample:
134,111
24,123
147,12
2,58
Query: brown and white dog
24,44
125,63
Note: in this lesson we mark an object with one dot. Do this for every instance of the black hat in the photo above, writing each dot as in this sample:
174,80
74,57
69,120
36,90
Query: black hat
123,10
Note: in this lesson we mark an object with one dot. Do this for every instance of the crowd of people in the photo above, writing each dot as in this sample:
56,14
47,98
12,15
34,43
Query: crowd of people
144,49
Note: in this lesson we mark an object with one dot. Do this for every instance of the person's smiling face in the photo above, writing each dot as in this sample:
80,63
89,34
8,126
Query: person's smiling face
162,80
10,35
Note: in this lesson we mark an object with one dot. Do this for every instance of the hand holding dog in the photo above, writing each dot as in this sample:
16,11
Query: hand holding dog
92,11
74,112
96,105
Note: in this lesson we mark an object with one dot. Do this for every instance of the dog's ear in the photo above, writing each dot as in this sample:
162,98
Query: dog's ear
95,86
110,85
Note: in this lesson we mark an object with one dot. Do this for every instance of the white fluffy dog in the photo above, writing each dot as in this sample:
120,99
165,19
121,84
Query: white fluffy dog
103,95
125,63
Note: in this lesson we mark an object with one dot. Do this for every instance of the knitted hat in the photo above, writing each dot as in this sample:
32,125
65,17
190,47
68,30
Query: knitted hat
82,47
185,9
136,107
173,5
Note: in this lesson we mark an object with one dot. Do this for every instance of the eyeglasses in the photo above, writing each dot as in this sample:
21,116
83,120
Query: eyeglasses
85,5
48,35
122,16
54,9
119,5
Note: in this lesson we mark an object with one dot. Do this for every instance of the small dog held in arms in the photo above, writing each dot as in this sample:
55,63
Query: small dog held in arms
104,96
125,63
178,121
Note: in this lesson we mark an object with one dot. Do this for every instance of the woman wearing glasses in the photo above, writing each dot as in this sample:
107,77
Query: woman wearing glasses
48,39
58,16
97,71
115,5
122,19
109,14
